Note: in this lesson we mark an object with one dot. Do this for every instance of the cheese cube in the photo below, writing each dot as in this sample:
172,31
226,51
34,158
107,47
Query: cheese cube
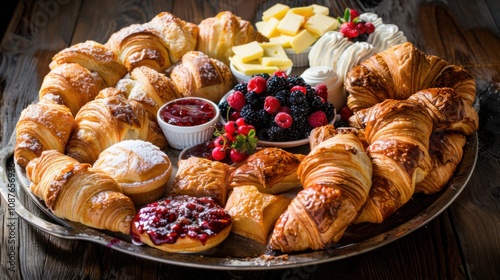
274,54
290,24
269,28
319,9
259,25
306,11
282,39
248,51
277,11
303,40
320,24
252,67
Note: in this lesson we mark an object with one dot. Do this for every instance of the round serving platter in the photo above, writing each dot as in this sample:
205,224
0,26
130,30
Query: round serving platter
237,252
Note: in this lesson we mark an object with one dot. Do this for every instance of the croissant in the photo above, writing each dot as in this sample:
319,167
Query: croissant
321,133
217,35
107,121
42,126
71,85
399,72
196,74
95,57
157,44
148,87
270,170
79,193
446,151
336,176
398,133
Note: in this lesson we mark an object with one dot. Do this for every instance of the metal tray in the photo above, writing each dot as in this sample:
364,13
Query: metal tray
237,252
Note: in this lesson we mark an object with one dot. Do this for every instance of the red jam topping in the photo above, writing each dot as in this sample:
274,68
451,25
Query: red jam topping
181,216
188,112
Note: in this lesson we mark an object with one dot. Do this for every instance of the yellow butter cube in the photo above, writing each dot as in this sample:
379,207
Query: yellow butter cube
269,28
306,11
248,51
320,24
303,40
290,24
252,67
277,11
282,39
319,9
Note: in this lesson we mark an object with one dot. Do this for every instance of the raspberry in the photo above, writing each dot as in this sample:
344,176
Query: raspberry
280,73
370,28
283,120
271,104
322,91
345,113
300,88
257,84
236,100
317,119
349,29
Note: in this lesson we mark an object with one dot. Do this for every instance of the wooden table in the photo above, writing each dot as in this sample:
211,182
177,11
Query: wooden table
461,243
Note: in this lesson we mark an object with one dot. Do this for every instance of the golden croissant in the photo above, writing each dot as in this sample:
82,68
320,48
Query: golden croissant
157,44
107,121
71,85
95,57
401,71
336,176
42,126
79,193
398,133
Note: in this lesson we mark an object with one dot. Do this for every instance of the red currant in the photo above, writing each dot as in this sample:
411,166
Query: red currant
243,130
220,141
237,156
240,122
218,153
235,115
370,28
231,127
361,27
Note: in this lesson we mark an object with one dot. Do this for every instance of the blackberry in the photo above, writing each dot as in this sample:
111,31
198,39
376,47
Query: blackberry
264,119
276,84
300,110
329,110
310,94
283,97
224,109
341,123
297,97
294,80
241,87
316,103
276,134
263,75
250,115
254,99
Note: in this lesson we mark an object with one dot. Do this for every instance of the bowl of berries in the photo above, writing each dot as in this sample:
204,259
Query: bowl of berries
282,108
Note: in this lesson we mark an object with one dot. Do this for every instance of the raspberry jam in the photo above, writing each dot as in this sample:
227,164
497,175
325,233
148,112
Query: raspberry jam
181,216
188,112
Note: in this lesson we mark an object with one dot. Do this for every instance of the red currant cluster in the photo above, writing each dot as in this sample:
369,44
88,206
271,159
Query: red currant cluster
237,140
352,27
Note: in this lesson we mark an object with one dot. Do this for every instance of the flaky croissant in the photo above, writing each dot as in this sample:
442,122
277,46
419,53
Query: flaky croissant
399,72
217,35
157,44
107,121
446,151
71,85
398,133
95,57
79,193
42,126
336,176
196,74
148,87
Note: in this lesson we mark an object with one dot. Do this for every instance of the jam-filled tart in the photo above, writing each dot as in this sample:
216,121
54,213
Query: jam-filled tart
181,223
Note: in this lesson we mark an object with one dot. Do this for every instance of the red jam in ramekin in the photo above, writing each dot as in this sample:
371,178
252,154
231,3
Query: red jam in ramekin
188,112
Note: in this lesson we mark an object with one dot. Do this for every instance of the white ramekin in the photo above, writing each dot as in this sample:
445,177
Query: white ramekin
181,137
